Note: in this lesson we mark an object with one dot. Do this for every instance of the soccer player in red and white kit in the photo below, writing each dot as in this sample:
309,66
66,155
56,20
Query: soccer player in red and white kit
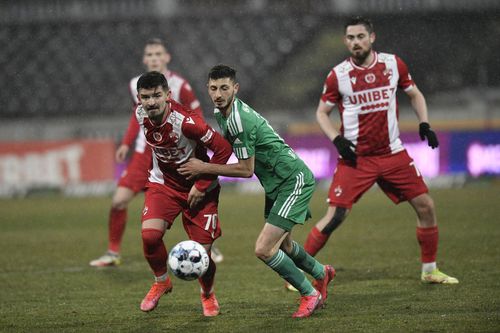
363,87
175,134
133,180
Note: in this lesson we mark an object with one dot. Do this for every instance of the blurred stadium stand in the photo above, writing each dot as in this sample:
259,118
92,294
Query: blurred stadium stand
72,60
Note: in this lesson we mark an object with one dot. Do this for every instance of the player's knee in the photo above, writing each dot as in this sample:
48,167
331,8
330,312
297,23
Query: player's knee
263,253
119,204
337,219
151,239
425,206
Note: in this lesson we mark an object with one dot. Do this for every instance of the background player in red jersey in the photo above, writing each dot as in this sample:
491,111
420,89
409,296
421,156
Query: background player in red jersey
155,58
175,134
364,89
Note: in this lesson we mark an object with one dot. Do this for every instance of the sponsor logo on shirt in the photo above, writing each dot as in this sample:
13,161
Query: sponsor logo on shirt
169,154
370,96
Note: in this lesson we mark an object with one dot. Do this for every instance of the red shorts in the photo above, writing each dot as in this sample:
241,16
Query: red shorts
396,174
136,175
201,224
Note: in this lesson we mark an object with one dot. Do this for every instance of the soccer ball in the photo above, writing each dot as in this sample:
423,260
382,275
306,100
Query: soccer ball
188,260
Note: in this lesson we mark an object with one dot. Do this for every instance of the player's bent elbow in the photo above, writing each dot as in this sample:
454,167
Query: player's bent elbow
320,116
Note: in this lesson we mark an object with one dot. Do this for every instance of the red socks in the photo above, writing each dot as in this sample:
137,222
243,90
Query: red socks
207,280
428,240
116,225
154,250
315,241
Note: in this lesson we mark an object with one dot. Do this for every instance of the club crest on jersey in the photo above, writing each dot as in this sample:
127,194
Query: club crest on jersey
338,191
145,210
157,136
370,78
353,80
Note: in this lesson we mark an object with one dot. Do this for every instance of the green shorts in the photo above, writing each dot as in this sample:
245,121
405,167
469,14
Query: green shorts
291,204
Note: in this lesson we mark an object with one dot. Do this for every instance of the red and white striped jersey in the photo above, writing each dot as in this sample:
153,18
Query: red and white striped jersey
182,135
181,93
366,99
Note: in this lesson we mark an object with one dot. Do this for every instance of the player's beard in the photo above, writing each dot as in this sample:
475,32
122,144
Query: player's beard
228,103
158,117
361,56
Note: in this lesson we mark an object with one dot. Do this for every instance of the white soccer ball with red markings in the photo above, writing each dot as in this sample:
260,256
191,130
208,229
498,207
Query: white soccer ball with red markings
188,260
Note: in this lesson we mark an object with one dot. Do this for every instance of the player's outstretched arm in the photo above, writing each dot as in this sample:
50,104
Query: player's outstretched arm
418,103
221,147
323,118
420,107
344,147
242,169
195,128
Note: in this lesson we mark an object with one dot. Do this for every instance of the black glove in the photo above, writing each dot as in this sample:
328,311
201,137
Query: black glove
344,148
424,130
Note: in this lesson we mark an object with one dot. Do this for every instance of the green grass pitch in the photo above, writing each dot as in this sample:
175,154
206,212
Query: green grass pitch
46,284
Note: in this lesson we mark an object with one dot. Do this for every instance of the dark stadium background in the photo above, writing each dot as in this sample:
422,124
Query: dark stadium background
70,61
64,105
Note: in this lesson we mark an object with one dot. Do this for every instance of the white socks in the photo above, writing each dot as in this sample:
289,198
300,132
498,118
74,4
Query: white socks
161,278
428,267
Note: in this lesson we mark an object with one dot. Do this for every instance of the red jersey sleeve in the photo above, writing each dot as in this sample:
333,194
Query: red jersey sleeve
189,100
330,93
195,128
405,81
132,130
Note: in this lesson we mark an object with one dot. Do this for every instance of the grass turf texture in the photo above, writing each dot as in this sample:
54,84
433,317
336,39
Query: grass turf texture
46,284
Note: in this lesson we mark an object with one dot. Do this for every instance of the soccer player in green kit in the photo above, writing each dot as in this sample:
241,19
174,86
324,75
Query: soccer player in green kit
287,181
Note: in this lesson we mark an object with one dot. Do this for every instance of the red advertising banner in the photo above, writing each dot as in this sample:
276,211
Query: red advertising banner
33,164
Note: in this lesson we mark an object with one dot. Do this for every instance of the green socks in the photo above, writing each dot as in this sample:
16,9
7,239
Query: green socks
285,267
306,262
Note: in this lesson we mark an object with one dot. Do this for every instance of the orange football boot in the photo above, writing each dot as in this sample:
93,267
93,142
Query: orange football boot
322,284
153,296
307,305
210,305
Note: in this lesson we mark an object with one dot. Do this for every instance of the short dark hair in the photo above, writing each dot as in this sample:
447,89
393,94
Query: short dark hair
157,41
359,20
221,72
151,80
